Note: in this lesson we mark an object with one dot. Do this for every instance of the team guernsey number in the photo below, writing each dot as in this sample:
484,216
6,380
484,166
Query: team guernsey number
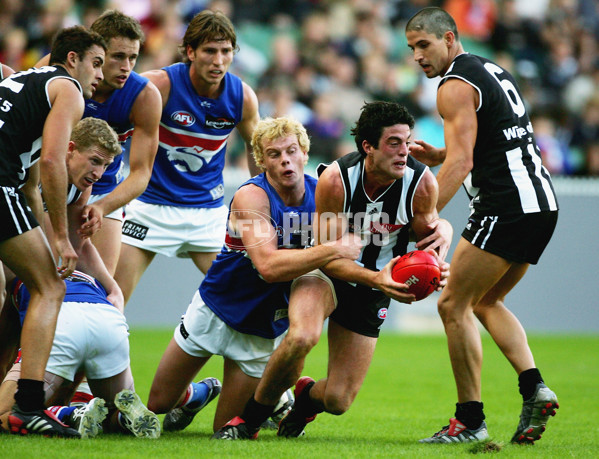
510,90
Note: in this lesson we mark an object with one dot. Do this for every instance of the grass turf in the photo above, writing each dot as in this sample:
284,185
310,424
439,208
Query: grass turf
408,394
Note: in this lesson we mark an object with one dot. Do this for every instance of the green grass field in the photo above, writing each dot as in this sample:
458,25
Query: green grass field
408,394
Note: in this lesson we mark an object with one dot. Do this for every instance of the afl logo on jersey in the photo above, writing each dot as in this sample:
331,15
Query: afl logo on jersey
382,314
183,118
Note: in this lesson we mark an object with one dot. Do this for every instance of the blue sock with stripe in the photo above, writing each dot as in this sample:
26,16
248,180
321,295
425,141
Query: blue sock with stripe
197,395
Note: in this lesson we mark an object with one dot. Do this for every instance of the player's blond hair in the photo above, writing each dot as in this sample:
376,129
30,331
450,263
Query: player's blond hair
94,132
270,129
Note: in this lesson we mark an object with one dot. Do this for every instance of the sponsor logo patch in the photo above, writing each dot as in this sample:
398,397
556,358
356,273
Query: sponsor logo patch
382,314
134,230
219,123
184,332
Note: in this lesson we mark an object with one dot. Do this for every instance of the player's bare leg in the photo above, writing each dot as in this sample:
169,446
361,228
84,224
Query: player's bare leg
350,355
133,262
28,256
237,389
310,303
108,243
502,325
473,273
203,260
175,372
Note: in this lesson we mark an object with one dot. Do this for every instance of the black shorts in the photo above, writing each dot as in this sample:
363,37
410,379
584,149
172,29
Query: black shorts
360,308
519,238
15,214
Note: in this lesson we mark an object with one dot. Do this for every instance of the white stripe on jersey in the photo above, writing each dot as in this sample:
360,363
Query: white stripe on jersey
526,190
539,168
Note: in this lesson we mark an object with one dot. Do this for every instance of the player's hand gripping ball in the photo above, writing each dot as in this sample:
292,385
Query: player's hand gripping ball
420,271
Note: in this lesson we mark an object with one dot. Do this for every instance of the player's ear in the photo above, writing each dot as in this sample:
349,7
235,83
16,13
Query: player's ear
448,38
191,54
72,58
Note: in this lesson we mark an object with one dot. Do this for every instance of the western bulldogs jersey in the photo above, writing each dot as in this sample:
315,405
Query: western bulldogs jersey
507,177
234,290
192,142
384,222
81,288
116,111
24,106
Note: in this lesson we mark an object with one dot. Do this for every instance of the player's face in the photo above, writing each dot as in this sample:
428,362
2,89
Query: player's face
430,52
284,161
121,57
85,167
210,61
88,71
388,161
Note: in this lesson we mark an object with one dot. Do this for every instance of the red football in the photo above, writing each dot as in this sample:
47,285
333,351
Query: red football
420,271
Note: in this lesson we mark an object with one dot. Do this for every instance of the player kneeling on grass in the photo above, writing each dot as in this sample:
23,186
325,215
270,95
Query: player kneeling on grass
379,192
240,310
91,336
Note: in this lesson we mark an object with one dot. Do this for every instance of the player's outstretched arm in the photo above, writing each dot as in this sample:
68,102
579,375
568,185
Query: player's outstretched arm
250,218
145,116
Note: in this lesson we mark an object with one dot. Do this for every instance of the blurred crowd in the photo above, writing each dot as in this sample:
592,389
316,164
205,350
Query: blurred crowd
320,60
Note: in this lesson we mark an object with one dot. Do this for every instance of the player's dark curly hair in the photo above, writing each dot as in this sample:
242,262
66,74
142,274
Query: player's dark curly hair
77,39
375,117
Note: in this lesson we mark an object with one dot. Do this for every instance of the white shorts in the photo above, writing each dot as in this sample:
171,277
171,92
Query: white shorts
322,276
174,231
92,337
116,214
208,335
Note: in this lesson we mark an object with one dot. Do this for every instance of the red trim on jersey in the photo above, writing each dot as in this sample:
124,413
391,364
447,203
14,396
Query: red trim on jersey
178,139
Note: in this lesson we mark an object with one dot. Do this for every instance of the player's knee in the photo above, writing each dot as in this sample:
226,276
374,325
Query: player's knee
302,341
52,291
337,404
446,309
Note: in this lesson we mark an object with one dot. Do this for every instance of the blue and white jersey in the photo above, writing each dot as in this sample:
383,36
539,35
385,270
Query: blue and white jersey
116,111
234,290
81,288
192,142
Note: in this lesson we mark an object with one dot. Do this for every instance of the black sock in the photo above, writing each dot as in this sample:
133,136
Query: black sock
304,406
527,382
254,413
30,395
470,414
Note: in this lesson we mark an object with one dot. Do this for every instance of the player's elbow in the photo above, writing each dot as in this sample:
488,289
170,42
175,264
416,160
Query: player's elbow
269,274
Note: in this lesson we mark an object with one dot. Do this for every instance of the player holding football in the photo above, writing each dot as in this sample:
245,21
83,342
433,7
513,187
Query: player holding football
248,297
490,147
381,193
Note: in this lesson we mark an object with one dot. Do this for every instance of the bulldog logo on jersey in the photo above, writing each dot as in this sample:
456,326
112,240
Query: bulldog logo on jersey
189,151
